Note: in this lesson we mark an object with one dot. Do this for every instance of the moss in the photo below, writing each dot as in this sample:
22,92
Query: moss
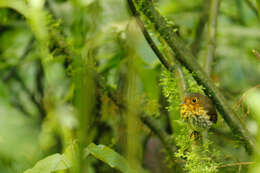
170,90
198,159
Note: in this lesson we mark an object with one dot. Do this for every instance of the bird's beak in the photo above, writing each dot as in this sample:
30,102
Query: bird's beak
181,104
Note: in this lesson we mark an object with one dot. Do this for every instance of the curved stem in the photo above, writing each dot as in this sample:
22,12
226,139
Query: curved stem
17,5
164,61
148,37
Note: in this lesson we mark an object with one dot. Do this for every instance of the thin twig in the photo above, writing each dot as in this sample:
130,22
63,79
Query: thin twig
183,84
186,58
153,46
212,29
242,98
236,164
148,37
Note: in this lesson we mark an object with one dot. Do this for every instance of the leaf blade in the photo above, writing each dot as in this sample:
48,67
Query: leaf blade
49,164
110,157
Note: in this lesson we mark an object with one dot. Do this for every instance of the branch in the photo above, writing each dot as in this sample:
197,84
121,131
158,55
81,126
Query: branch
148,37
185,57
212,28
164,61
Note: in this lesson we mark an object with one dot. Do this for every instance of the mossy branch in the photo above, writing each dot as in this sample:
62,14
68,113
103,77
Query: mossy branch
186,58
176,68
148,38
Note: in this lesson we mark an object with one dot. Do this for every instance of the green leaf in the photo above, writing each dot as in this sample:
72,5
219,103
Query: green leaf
17,5
110,157
113,62
50,164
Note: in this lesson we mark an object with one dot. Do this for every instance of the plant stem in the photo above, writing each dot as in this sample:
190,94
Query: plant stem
195,46
212,29
185,57
236,164
183,85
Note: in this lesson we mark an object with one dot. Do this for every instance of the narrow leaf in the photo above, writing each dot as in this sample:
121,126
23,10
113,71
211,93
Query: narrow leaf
110,157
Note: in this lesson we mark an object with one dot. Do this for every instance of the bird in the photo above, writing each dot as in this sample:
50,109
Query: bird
198,111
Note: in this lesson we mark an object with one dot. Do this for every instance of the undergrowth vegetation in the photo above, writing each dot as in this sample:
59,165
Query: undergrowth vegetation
83,90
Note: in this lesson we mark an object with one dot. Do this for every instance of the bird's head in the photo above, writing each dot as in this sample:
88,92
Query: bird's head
196,104
193,101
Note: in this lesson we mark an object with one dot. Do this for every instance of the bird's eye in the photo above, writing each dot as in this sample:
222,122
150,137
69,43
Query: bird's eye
194,100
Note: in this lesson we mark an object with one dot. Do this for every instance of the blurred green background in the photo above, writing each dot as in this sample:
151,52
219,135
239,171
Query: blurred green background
68,68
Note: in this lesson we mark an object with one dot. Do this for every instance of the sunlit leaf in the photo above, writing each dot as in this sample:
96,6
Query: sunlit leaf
49,164
17,5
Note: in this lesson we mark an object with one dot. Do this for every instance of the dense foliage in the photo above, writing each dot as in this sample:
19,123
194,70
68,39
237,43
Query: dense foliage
81,90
